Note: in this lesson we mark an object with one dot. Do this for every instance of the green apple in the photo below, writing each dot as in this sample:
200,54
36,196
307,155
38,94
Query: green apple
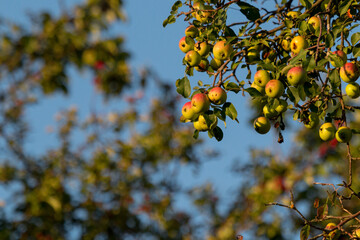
202,48
216,63
349,72
186,44
282,107
314,22
312,120
222,50
192,58
261,78
274,88
200,103
352,90
187,111
342,56
217,95
296,76
343,134
327,131
191,31
269,112
257,87
201,124
293,14
262,125
298,43
203,65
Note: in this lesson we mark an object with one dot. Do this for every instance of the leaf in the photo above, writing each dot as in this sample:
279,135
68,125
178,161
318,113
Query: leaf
183,87
293,94
312,64
196,134
301,92
230,110
301,56
334,78
305,3
355,38
218,133
344,6
356,52
252,13
338,61
231,86
253,92
329,40
176,6
305,232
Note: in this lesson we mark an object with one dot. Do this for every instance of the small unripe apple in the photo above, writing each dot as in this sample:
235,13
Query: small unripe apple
314,22
274,88
349,72
222,50
353,90
262,125
261,78
285,44
312,120
269,112
282,107
191,31
257,87
298,43
327,131
200,103
343,134
202,66
187,111
216,63
217,95
203,48
201,124
192,58
293,14
296,76
186,44
343,57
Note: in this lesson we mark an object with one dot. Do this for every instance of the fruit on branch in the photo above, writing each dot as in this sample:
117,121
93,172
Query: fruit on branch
293,14
356,233
200,103
349,72
312,120
253,54
202,48
315,23
343,134
327,131
191,31
187,111
262,125
269,112
202,66
331,226
186,44
202,16
222,50
342,56
192,58
202,125
296,75
282,107
298,43
274,88
285,44
217,95
216,63
257,87
352,90
261,78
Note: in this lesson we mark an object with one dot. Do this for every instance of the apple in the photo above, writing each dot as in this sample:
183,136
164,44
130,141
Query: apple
327,131
262,125
257,87
343,57
293,14
312,120
201,124
191,31
274,88
217,95
261,78
269,112
352,90
331,226
192,58
203,65
296,76
314,22
282,107
349,72
203,16
186,44
216,63
343,134
298,43
202,48
222,50
253,54
285,44
187,111
200,103
357,233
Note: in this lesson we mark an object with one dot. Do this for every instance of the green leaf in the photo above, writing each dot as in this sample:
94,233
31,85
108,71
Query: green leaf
176,6
231,86
218,133
344,6
253,92
334,78
252,13
230,110
301,56
338,61
196,134
312,64
305,232
183,87
305,3
329,40
293,94
301,92
356,52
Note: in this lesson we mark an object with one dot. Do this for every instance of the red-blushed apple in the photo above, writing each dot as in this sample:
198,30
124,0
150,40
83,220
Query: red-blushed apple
274,88
260,89
282,107
349,72
352,90
262,125
217,95
342,55
186,44
269,112
192,58
200,103
296,75
293,14
261,78
191,31
327,131
343,134
312,120
202,66
187,111
298,43
216,63
203,48
222,50
314,22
